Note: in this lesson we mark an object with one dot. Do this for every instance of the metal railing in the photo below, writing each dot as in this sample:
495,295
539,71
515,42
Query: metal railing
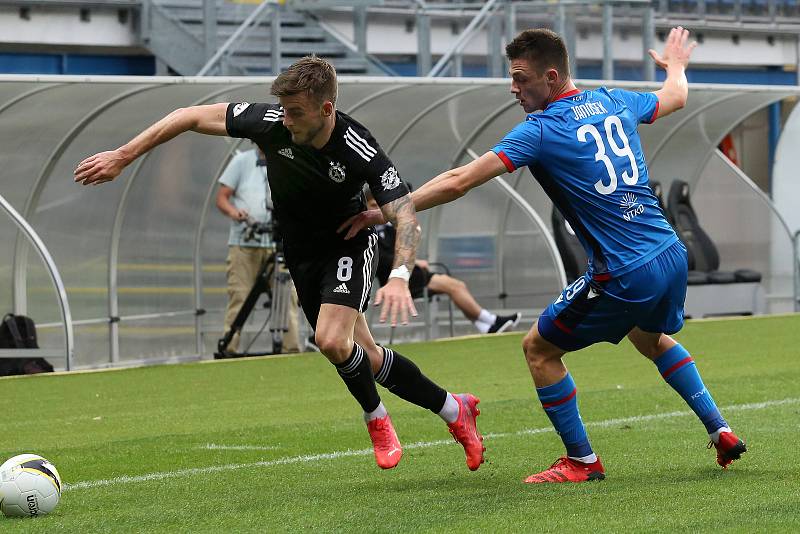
61,293
476,24
252,20
796,263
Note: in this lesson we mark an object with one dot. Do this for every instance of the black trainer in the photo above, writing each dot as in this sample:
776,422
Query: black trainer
505,322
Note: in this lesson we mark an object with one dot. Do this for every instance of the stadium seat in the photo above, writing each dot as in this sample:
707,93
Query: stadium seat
569,247
658,191
703,254
695,277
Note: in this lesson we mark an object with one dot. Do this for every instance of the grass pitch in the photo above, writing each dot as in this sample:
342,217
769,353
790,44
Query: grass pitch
268,445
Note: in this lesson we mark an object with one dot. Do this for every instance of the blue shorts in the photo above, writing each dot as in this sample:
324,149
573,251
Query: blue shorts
591,310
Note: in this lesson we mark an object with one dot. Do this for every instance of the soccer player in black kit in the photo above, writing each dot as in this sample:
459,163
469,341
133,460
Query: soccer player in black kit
318,160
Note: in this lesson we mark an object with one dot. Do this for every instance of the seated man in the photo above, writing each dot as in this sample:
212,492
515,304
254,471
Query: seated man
457,290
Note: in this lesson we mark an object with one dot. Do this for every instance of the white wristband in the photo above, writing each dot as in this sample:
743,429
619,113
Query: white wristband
400,272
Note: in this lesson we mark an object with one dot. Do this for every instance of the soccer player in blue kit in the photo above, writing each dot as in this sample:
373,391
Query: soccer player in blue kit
585,151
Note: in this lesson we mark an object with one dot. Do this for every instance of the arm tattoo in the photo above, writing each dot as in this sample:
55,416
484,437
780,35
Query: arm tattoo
402,214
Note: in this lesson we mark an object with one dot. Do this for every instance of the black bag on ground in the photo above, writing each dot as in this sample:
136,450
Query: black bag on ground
19,332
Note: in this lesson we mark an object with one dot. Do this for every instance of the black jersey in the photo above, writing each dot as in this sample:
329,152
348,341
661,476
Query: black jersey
315,191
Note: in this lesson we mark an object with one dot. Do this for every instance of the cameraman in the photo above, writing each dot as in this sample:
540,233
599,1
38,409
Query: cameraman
244,194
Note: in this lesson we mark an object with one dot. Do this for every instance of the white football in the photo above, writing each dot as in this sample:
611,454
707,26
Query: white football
29,486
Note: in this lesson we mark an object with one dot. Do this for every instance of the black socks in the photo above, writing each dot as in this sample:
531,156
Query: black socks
402,377
356,372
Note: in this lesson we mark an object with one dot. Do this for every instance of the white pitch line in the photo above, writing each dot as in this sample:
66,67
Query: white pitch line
215,447
88,484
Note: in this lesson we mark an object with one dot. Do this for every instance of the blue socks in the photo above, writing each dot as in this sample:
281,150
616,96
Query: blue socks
560,402
678,369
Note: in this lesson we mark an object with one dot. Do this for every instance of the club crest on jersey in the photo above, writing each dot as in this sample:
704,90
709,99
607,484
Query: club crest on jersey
630,206
390,179
336,172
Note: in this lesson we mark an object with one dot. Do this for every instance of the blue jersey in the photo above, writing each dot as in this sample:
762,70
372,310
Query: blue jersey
586,153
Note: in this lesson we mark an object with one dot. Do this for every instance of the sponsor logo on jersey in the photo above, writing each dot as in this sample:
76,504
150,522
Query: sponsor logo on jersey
390,179
336,172
630,206
341,288
286,152
238,108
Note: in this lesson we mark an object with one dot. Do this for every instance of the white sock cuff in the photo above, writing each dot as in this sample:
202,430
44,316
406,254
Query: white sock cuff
715,435
482,327
449,412
590,459
487,317
377,413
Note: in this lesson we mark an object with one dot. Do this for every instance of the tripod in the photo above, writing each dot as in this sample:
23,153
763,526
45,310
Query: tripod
274,281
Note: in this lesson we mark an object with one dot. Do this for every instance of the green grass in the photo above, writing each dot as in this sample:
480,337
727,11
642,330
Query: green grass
99,426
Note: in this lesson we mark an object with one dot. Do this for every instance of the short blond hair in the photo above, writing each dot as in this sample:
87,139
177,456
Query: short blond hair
310,75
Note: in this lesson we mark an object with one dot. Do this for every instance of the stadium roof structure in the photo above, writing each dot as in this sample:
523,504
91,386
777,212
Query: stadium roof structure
142,258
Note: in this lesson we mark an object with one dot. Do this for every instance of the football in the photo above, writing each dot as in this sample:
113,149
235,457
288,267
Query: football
29,486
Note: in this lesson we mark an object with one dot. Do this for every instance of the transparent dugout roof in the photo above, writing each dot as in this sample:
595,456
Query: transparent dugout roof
149,248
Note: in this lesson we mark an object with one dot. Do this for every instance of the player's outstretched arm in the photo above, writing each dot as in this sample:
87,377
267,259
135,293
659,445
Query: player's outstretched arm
105,166
673,94
395,295
455,183
444,188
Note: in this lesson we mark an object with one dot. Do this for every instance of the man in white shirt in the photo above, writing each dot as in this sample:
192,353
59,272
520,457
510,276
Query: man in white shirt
243,194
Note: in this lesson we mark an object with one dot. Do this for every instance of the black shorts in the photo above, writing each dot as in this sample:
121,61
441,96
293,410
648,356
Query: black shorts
420,278
341,276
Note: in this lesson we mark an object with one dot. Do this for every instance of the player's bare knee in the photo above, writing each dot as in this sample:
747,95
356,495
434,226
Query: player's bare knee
527,343
539,352
336,348
532,349
648,345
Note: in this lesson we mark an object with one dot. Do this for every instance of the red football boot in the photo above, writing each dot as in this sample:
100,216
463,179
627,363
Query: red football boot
465,431
568,470
729,448
388,450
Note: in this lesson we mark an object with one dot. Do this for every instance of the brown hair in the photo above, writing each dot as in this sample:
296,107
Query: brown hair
310,75
543,48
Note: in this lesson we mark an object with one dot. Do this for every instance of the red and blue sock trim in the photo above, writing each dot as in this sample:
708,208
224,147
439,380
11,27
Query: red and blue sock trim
560,403
679,370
